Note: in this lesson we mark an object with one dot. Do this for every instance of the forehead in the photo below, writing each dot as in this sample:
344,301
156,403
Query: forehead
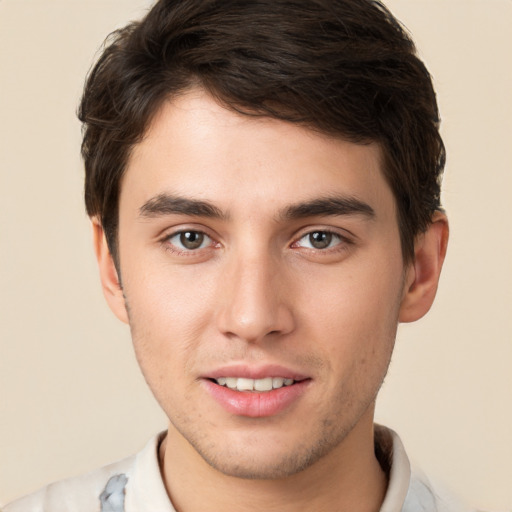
197,148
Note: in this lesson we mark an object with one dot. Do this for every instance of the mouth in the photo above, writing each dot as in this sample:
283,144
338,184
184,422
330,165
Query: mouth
256,392
263,385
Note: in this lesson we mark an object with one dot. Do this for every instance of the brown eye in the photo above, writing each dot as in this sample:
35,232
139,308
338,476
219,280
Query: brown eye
320,239
189,240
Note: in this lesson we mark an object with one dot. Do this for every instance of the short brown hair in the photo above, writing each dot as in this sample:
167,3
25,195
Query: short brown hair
341,67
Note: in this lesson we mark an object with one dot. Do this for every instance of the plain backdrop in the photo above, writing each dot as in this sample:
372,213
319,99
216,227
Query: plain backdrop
71,395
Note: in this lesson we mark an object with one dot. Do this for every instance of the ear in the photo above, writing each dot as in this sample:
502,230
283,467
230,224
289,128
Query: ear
110,283
422,276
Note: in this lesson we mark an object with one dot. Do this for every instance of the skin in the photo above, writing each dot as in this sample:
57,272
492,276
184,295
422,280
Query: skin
258,292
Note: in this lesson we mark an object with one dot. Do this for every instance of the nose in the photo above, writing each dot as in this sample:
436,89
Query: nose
254,300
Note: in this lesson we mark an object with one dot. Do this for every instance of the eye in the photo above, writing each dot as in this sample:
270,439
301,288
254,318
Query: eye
189,240
319,240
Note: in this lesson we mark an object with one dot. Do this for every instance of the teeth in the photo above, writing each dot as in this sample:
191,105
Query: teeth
245,384
263,384
242,384
231,382
277,382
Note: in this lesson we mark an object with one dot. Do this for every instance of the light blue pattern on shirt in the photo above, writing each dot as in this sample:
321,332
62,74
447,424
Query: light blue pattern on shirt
112,497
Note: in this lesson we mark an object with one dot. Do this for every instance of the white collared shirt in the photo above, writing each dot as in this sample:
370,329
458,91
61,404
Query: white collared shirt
135,484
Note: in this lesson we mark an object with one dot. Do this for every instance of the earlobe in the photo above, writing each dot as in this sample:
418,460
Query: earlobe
110,283
423,273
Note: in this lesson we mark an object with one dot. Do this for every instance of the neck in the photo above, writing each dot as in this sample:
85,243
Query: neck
348,478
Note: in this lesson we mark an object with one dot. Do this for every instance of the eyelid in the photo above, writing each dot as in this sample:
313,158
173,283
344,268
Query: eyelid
343,234
345,241
166,236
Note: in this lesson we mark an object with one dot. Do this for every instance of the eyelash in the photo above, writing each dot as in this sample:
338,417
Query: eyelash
343,242
166,241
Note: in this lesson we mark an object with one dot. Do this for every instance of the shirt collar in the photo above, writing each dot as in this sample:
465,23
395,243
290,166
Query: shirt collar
391,454
147,490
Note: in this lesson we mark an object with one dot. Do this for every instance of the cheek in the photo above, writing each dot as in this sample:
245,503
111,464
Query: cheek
355,313
166,298
168,311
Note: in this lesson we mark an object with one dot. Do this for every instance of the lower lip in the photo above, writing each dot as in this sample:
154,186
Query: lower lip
255,404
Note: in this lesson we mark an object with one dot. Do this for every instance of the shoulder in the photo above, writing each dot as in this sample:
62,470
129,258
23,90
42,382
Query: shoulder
104,488
409,490
132,484
424,494
82,493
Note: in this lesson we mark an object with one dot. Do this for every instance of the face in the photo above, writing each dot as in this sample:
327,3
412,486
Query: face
262,272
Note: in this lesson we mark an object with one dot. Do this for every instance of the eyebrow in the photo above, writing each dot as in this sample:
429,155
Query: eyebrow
166,204
328,206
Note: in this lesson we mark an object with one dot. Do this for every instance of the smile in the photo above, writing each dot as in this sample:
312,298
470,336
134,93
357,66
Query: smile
255,398
261,385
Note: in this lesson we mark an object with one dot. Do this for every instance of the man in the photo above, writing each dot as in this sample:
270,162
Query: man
263,180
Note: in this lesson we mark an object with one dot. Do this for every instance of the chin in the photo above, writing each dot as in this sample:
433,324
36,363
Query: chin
259,460
263,469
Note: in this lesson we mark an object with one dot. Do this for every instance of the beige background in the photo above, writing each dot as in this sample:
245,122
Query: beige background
71,397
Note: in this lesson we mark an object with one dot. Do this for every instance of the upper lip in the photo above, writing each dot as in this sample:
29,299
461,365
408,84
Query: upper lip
254,372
